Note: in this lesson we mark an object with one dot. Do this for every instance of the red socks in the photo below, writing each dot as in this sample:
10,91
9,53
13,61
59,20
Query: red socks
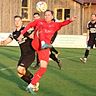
38,75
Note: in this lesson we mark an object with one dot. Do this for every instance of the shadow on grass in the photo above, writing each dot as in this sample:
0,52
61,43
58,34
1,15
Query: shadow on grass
9,74
63,76
11,49
10,56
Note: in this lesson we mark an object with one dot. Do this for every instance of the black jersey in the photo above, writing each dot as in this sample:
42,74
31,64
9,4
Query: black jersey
91,27
25,44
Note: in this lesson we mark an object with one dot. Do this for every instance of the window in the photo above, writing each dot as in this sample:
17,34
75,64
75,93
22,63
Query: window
25,6
62,14
67,14
59,14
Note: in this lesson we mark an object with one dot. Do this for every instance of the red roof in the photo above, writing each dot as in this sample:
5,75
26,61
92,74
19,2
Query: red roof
85,1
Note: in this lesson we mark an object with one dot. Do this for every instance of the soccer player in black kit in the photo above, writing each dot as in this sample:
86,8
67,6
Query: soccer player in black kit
27,52
91,37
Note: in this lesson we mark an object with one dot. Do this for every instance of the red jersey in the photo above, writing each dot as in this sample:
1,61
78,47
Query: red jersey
45,30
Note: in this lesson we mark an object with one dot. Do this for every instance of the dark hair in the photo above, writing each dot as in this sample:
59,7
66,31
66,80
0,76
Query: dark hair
17,16
36,13
49,11
53,19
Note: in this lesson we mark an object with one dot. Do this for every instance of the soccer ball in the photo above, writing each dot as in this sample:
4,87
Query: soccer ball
41,6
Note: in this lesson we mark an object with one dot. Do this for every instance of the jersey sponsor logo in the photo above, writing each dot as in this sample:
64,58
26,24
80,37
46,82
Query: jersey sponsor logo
41,23
93,30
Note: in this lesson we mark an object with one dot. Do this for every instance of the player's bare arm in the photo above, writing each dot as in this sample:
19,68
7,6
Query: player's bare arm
20,38
5,42
73,18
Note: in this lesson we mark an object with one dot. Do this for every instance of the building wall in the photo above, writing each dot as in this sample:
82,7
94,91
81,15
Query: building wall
75,10
10,8
82,12
88,10
0,16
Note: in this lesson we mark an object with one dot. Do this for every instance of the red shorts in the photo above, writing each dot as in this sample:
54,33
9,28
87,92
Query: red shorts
36,44
42,54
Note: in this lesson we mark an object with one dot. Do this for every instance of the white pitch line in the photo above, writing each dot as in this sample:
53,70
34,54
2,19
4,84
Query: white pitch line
70,57
83,69
2,69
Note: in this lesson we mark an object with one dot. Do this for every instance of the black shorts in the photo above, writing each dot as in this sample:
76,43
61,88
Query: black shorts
92,40
91,43
26,60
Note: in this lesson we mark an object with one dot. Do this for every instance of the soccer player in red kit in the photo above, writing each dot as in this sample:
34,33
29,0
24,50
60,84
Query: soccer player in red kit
44,30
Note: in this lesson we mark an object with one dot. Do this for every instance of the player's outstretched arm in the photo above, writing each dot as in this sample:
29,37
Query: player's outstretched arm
73,18
66,22
30,25
5,42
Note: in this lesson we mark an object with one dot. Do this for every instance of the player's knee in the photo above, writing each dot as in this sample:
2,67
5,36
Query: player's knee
43,64
20,75
21,71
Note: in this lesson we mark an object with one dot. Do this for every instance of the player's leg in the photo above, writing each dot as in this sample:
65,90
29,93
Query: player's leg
95,42
55,51
40,72
44,45
37,63
38,45
53,57
33,86
84,59
24,74
44,58
86,54
22,68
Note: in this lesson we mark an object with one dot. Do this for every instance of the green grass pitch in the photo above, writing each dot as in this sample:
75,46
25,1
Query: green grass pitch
75,78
